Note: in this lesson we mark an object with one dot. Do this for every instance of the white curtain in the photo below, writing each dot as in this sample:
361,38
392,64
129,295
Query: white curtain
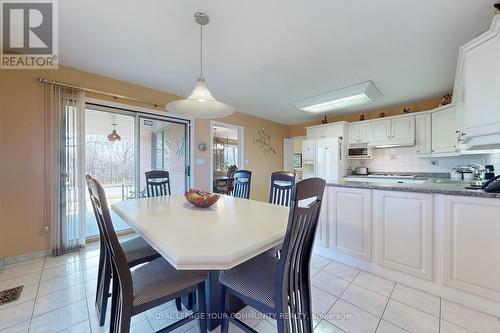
64,180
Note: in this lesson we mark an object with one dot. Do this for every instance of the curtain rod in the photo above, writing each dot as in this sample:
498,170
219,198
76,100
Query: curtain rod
42,80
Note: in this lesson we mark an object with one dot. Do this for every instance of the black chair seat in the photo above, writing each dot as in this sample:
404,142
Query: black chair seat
138,251
159,279
254,279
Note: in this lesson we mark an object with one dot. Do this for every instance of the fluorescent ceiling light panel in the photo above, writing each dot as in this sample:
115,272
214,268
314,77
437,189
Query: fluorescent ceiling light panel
355,95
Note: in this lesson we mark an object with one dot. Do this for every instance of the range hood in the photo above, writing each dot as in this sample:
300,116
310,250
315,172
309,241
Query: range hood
486,142
392,143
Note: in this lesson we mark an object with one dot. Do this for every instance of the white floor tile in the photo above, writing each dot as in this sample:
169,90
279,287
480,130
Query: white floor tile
27,294
20,269
142,327
351,318
319,262
58,299
63,282
66,259
82,327
16,314
19,328
329,283
416,298
25,280
374,283
321,303
386,327
61,318
60,271
447,327
469,318
90,274
166,317
326,327
91,287
250,316
410,318
265,327
94,320
342,271
313,271
365,299
90,263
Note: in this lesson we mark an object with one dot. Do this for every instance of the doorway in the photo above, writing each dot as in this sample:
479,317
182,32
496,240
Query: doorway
226,150
121,145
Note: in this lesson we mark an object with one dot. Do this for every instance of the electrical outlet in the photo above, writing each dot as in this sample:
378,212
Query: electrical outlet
434,162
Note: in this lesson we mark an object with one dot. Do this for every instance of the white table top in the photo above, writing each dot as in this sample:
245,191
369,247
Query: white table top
230,232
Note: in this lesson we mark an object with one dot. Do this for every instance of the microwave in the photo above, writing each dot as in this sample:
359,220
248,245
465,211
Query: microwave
359,151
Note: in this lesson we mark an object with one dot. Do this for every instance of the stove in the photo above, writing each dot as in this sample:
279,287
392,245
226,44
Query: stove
390,175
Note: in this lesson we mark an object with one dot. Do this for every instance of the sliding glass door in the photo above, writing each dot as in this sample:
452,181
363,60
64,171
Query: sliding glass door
120,146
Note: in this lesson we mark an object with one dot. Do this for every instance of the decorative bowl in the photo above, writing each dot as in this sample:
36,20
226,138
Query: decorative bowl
200,198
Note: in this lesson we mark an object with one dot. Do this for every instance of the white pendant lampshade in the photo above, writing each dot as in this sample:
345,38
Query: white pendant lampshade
201,104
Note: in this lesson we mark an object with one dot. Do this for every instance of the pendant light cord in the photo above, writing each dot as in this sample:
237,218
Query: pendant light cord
201,51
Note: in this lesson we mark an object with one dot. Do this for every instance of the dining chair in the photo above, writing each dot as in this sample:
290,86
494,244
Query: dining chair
157,183
136,252
280,287
242,182
225,186
282,183
152,284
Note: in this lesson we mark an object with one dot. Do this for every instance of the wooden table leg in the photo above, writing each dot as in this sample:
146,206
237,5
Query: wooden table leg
213,299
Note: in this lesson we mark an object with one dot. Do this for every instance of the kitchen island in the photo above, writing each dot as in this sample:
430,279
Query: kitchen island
436,236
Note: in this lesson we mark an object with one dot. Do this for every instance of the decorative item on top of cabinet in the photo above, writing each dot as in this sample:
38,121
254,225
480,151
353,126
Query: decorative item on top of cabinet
446,99
324,121
471,246
264,141
361,117
406,110
404,224
381,115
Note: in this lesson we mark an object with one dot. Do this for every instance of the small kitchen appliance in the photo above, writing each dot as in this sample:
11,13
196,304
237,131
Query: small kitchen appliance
361,171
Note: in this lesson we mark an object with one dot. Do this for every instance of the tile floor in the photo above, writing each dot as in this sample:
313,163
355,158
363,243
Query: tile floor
59,292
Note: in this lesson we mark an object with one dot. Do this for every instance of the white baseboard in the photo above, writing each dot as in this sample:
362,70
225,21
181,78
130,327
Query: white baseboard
24,257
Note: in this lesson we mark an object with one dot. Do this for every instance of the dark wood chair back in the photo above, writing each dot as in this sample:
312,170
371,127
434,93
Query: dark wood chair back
118,260
230,177
293,293
282,183
242,182
157,183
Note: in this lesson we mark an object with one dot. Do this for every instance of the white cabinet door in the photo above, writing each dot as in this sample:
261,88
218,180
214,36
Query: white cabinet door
404,229
364,131
380,130
444,137
351,221
308,150
314,132
334,130
323,238
354,135
403,127
471,245
423,143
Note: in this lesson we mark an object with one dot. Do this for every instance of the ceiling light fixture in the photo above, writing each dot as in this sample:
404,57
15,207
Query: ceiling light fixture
355,95
114,137
201,104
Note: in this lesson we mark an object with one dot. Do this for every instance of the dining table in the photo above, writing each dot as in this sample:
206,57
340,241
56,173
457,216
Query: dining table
217,238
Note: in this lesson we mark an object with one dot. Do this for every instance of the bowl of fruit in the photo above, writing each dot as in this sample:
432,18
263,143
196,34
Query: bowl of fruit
200,198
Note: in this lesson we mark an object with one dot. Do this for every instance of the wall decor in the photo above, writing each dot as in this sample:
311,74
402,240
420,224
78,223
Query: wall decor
202,146
446,99
263,140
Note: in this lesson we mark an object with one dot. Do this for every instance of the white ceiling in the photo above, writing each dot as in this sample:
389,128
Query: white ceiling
261,55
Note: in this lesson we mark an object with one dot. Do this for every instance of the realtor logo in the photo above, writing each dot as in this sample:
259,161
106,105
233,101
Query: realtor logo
29,34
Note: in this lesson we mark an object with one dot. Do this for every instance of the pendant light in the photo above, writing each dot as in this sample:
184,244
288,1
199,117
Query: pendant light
114,137
201,104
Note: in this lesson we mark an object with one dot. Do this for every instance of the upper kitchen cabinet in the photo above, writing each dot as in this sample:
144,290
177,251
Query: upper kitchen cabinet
477,90
333,130
359,132
423,135
396,131
444,137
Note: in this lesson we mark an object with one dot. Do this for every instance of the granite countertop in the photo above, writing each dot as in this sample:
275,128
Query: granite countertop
432,185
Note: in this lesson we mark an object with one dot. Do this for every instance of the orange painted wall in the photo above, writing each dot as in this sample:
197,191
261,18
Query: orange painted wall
22,154
299,130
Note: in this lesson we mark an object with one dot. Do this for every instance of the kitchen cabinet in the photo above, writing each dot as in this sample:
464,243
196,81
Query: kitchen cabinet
476,90
350,216
423,135
380,130
359,132
404,227
326,131
471,245
308,150
444,137
315,132
323,235
403,128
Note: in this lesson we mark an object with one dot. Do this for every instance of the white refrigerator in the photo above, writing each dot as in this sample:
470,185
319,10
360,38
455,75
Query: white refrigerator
329,159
